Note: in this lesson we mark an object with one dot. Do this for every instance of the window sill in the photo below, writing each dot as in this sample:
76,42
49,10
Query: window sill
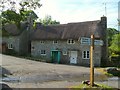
43,54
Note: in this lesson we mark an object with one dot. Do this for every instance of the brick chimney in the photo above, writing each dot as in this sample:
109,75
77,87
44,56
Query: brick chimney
104,53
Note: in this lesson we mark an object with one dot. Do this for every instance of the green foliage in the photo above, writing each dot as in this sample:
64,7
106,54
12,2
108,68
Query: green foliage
23,4
10,16
48,21
25,14
88,87
111,32
115,48
30,4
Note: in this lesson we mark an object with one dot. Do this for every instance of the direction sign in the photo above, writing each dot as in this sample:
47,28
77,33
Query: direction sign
87,41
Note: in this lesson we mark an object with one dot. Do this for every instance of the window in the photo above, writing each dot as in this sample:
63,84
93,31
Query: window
70,41
41,41
64,52
55,42
32,48
86,54
43,52
10,46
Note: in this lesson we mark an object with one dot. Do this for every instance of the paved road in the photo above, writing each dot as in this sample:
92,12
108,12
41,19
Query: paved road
31,74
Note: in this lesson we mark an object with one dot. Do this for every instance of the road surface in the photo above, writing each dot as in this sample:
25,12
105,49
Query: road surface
25,73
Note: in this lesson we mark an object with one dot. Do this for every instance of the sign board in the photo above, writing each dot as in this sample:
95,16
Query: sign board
87,41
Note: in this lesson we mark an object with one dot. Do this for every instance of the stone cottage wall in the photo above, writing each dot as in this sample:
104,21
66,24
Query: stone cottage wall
14,40
36,46
24,44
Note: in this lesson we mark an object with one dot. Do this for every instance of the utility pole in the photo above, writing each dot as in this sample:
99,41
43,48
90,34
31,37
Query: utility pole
91,62
105,9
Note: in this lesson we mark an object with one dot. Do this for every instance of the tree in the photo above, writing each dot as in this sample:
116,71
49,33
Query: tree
25,14
115,48
10,16
111,32
20,4
7,4
48,20
30,4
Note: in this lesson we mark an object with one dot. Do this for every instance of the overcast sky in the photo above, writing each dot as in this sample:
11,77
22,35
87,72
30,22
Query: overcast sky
67,11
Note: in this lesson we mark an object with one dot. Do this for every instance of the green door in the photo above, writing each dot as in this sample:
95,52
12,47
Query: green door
55,56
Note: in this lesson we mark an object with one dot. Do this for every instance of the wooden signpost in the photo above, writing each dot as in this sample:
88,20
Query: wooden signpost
92,42
91,62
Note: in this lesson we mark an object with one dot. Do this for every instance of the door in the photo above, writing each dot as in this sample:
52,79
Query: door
73,57
55,56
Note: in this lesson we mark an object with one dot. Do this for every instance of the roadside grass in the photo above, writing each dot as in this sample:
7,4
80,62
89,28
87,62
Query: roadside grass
103,71
88,87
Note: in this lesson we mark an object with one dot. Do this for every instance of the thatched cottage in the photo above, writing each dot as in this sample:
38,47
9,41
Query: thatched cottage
15,39
65,43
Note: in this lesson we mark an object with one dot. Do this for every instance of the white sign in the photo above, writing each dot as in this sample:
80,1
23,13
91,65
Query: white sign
98,42
87,41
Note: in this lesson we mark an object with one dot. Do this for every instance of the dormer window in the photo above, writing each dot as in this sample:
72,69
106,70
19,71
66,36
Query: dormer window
55,42
42,42
70,41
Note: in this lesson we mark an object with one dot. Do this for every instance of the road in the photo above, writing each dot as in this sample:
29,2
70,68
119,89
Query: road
32,74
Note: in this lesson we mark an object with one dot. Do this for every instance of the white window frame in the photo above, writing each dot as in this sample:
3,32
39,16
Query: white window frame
64,52
42,42
43,52
10,46
71,41
85,54
55,42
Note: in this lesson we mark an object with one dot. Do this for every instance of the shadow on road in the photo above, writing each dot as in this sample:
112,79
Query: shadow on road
4,71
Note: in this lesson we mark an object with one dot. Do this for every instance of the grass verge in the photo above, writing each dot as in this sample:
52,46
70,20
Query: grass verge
88,87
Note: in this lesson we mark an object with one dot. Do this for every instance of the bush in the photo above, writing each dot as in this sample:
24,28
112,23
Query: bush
113,71
12,52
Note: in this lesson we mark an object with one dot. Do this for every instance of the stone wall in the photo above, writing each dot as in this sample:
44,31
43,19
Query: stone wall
14,40
24,44
36,46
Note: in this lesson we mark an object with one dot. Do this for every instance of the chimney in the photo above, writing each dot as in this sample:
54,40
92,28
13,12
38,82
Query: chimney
104,21
38,25
105,41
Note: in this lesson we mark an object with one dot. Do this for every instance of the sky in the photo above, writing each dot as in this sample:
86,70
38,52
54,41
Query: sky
67,11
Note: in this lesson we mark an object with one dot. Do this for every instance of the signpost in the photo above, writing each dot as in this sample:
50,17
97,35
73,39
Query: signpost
91,61
91,41
87,41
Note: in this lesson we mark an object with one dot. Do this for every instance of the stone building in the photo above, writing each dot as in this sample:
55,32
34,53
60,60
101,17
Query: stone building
62,43
16,39
66,43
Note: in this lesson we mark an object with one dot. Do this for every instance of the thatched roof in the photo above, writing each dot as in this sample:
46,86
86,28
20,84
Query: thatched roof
13,30
68,31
